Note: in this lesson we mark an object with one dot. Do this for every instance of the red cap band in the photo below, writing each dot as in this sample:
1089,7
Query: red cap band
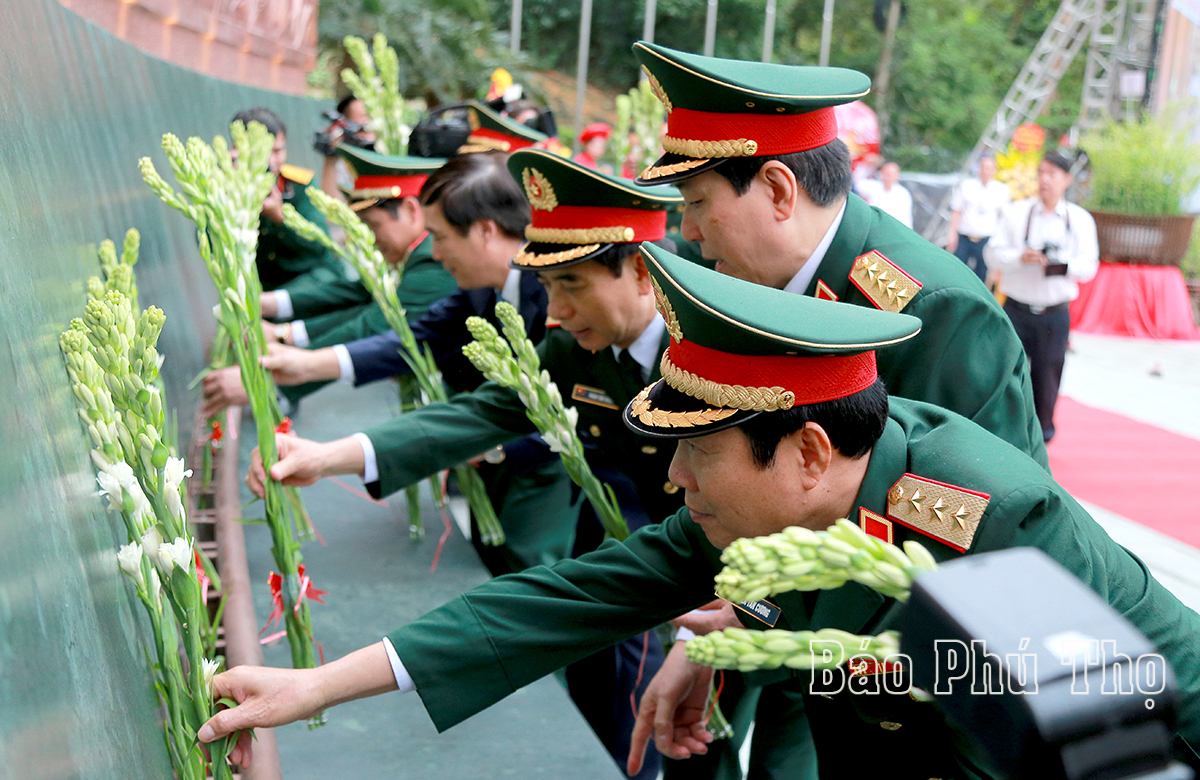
812,379
410,186
514,142
647,225
774,134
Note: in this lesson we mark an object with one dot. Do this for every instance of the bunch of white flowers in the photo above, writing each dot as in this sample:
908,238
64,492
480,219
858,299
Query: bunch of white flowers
113,364
377,85
225,201
512,361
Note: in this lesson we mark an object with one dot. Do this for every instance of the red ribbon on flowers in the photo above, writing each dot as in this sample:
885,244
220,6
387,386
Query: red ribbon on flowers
204,580
285,426
275,583
217,434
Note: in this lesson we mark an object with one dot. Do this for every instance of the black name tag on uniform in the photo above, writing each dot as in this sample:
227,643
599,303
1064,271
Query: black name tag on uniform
763,611
590,395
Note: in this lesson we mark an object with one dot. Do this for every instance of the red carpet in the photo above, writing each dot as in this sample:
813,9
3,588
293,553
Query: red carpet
1141,472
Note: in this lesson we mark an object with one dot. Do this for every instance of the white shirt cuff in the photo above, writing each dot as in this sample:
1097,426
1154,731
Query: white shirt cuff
403,681
283,305
299,333
370,466
345,364
684,634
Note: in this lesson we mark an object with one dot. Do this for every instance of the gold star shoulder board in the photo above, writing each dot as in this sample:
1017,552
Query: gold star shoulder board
881,280
301,176
944,512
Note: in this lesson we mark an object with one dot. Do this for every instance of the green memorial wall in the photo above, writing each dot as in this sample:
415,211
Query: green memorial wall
77,109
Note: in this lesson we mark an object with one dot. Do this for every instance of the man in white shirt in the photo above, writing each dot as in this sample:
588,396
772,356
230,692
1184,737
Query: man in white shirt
889,195
976,208
1044,247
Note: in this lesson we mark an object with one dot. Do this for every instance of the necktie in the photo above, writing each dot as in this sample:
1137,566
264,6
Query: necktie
631,372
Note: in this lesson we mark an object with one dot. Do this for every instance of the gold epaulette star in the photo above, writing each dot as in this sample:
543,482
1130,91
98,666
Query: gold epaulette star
883,282
907,500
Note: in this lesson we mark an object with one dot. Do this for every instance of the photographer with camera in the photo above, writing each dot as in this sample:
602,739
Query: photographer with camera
348,125
1044,248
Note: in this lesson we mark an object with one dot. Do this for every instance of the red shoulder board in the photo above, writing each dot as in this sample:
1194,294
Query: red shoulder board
824,293
944,512
881,280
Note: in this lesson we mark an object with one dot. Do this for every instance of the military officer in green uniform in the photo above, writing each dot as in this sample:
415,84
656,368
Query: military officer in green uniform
780,420
607,345
385,196
283,255
315,312
753,147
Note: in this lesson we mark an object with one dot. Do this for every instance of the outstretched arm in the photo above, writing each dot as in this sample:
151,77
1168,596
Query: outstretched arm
269,697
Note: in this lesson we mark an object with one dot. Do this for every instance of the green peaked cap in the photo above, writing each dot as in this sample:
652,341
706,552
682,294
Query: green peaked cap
739,349
491,132
719,108
578,212
382,176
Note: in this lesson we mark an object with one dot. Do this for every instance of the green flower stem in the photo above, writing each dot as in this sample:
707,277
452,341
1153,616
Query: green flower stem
382,280
512,361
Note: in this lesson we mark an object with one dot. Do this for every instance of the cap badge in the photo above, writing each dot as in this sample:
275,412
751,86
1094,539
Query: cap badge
668,313
657,89
538,190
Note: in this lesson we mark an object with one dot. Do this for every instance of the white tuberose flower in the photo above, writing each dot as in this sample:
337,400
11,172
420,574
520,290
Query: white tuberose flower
130,559
151,541
110,486
208,668
174,471
176,553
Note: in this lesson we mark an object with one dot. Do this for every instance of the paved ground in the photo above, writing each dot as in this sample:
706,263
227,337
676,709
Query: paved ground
1158,383
378,581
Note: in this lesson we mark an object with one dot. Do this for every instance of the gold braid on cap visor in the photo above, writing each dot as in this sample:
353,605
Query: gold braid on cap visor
660,418
653,172
530,259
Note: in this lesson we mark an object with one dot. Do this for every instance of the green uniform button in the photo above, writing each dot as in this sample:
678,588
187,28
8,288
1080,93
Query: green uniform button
889,725
270,255
650,449
670,488
594,430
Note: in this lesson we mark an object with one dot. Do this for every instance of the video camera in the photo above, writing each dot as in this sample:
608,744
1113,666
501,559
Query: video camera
340,131
1044,678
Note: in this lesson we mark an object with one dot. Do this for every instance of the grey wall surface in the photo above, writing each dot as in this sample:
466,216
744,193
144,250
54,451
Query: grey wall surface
77,108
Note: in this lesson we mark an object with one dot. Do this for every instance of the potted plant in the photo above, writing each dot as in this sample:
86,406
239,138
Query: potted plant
1141,172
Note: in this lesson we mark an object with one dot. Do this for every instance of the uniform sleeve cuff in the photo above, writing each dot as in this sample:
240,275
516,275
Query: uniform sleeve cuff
370,465
299,333
684,634
345,364
283,305
403,680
